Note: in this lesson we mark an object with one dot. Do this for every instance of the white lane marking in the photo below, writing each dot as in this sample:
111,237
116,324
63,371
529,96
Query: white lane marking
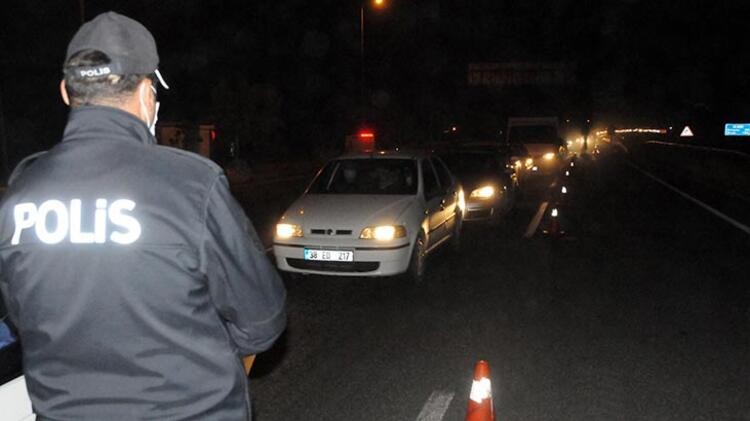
534,224
716,212
436,405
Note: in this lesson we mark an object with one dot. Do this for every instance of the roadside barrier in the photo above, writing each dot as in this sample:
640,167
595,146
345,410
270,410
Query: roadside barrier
480,406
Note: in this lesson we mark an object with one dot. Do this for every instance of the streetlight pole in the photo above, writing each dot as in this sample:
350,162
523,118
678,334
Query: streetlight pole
363,112
362,83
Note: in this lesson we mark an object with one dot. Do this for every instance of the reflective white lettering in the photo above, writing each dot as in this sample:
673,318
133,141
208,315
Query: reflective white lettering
53,222
76,235
24,215
61,218
100,221
131,225
96,72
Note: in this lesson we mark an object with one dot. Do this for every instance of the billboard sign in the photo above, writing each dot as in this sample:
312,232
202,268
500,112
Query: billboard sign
512,74
735,129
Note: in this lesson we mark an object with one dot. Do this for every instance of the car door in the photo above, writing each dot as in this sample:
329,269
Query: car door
449,192
433,198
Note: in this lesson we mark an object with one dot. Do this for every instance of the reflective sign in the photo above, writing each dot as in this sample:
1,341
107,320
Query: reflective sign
686,132
733,129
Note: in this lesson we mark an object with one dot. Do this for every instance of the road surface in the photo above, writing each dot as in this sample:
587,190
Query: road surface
639,311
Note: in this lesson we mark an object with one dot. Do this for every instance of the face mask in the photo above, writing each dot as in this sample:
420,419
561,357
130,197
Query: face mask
152,128
144,112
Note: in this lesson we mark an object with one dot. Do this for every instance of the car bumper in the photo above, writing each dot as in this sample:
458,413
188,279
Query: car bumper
369,260
479,211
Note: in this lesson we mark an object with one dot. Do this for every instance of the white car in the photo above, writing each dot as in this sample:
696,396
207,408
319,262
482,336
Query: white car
376,214
15,404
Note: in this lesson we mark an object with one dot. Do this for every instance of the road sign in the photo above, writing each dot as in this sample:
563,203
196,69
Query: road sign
734,129
686,132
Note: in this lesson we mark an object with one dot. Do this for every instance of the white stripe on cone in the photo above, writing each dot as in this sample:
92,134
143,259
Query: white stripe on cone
481,390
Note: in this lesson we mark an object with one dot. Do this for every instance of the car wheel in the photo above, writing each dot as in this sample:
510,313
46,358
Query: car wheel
418,260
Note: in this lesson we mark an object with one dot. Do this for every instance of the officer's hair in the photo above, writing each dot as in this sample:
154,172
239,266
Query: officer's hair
98,90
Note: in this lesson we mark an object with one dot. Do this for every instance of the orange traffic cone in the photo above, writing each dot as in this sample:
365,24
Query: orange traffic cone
553,229
480,399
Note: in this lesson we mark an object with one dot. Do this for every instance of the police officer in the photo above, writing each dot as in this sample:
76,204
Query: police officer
135,280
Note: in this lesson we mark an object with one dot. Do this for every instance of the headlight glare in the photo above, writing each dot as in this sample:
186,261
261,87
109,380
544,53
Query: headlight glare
485,192
288,230
383,232
549,156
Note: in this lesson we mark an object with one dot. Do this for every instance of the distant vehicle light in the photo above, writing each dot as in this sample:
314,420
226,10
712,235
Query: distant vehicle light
554,213
529,162
534,168
484,192
567,173
549,156
572,164
288,231
518,163
564,190
366,134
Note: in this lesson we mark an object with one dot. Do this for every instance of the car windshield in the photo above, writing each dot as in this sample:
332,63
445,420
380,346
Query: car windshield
533,134
367,176
471,163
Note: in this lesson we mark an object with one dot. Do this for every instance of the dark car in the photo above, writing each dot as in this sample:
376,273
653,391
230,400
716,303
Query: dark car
489,179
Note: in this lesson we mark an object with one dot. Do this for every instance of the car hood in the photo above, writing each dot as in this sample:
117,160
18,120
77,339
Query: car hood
348,211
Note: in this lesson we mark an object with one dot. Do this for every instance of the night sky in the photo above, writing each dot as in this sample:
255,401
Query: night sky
283,77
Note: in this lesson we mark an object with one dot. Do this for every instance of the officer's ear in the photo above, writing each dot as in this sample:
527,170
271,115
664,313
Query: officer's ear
64,93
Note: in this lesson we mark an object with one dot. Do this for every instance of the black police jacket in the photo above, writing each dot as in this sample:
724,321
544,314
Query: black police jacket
134,278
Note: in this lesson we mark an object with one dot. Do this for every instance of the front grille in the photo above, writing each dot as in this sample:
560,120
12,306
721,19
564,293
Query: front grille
358,267
321,231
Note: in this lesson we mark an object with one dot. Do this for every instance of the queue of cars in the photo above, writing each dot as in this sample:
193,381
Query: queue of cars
381,213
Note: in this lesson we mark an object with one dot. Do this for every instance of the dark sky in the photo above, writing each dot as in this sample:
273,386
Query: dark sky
288,71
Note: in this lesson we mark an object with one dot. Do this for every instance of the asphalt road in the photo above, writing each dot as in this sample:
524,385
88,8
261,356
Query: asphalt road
639,311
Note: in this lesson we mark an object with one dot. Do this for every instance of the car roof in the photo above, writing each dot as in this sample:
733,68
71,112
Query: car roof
392,154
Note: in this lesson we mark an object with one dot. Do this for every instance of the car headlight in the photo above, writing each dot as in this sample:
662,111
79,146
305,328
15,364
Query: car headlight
485,192
288,230
549,156
383,232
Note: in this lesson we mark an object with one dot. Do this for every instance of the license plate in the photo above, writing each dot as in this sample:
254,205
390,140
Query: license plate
329,255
